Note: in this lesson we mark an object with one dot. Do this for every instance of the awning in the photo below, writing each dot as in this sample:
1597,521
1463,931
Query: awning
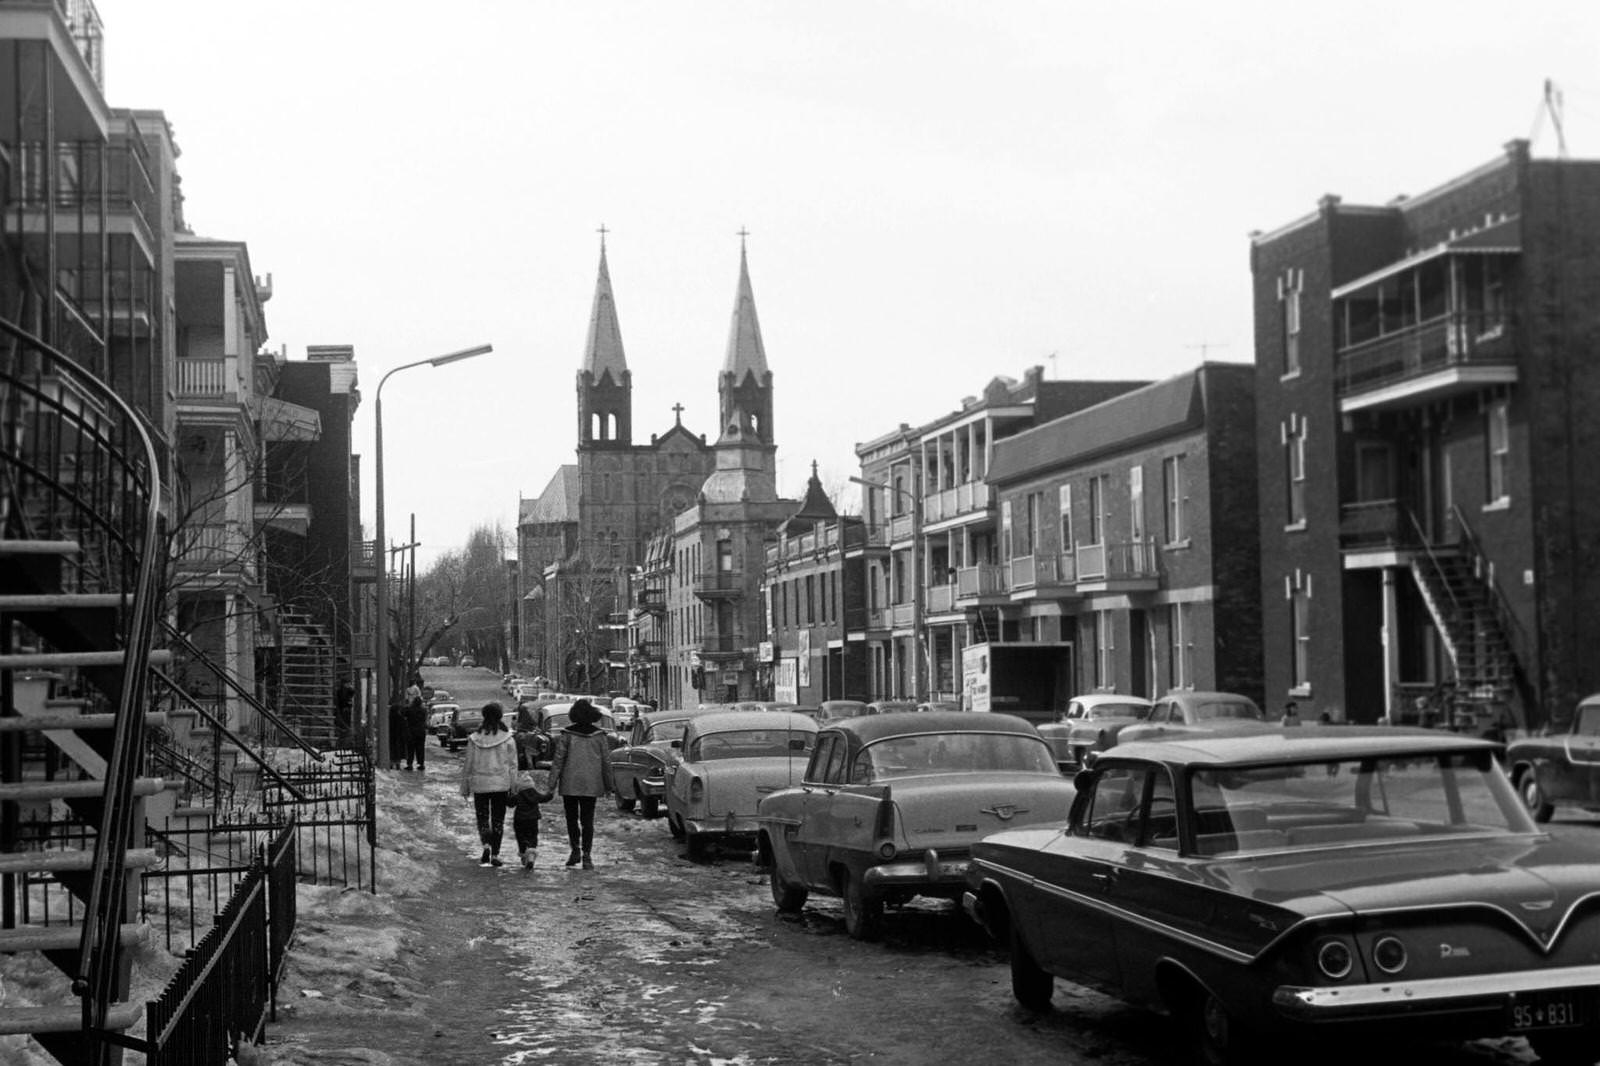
1502,238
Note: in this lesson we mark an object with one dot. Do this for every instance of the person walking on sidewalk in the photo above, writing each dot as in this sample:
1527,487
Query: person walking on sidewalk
525,799
487,775
416,719
580,771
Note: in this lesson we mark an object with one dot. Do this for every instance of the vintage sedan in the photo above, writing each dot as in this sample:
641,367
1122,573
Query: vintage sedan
890,806
832,709
639,766
1181,713
1560,767
730,762
1306,887
439,718
1091,723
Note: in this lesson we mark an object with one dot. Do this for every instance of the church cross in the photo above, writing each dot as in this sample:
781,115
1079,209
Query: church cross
743,233
677,412
602,231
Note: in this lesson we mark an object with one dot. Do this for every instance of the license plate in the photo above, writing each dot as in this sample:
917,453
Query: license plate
1560,1009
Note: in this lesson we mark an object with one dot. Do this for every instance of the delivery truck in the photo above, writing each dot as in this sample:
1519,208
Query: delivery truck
1029,680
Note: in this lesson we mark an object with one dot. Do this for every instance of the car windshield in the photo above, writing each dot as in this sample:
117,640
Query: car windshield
1120,710
753,744
843,709
894,706
951,753
1352,801
1210,709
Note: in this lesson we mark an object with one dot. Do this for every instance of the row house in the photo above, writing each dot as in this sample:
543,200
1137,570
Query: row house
1127,531
1426,397
814,593
942,577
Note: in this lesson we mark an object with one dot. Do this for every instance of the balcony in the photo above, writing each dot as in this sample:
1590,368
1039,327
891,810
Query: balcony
860,537
208,382
941,599
1453,353
903,616
653,600
722,646
974,584
1119,566
902,527
364,561
650,651
1043,576
719,585
220,550
288,517
964,500
363,648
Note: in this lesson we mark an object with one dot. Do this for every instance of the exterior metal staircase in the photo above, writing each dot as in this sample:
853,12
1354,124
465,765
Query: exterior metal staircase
1478,632
306,678
80,546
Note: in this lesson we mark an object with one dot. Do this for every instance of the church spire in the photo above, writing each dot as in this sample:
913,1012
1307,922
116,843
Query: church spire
605,387
744,388
604,350
746,354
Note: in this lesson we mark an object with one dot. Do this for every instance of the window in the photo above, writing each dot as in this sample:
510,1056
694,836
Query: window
1499,440
1007,533
1136,504
725,556
1097,499
1298,588
1172,494
811,601
1031,530
1066,518
1180,647
1289,286
1105,643
1294,449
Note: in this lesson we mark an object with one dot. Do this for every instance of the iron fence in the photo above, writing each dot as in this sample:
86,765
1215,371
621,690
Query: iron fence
336,810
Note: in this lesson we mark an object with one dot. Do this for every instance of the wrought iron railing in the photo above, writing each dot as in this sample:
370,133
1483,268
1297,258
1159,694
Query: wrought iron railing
1459,338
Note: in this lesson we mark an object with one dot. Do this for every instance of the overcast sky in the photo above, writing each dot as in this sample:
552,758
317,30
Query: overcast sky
936,193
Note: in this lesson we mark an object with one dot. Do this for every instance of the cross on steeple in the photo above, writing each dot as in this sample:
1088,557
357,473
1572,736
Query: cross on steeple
743,233
677,413
602,231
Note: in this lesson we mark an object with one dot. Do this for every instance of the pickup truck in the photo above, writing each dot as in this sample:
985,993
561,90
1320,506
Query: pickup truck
1559,767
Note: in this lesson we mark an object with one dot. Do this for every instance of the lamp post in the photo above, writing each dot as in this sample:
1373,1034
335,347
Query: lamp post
381,756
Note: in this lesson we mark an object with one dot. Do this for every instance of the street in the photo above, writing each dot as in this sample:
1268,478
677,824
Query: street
652,958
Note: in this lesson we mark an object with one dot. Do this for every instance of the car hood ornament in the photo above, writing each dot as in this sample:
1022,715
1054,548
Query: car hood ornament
1004,811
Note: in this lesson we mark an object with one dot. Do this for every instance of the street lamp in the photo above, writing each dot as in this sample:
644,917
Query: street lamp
381,756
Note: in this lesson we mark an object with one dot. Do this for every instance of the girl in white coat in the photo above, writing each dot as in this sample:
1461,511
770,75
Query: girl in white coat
487,776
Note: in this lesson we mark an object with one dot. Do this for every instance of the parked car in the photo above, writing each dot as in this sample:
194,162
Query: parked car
1560,768
638,767
1186,713
439,717
891,707
626,710
554,717
730,761
832,709
1091,723
464,721
890,805
467,662
1286,889
440,695
939,705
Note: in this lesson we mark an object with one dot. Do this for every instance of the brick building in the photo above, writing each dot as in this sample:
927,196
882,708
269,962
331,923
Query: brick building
1426,401
1128,531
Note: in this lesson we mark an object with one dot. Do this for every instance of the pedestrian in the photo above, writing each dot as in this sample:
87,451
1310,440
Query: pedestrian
1291,713
397,733
580,770
487,775
526,797
416,746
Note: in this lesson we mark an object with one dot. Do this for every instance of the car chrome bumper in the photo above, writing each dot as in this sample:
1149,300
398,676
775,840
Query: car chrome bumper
1393,999
729,823
652,786
927,869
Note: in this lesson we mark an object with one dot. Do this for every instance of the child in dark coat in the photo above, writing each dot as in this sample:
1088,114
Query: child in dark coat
525,800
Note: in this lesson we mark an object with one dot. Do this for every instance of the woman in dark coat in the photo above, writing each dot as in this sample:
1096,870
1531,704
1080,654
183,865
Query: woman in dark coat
580,771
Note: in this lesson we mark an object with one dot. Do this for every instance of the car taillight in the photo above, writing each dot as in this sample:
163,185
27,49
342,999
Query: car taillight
883,828
1389,955
1335,959
697,790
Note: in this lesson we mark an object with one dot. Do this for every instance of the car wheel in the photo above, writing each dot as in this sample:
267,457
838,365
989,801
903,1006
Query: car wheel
625,803
1533,796
788,896
863,912
697,845
1575,1047
1217,1037
650,806
1032,986
675,827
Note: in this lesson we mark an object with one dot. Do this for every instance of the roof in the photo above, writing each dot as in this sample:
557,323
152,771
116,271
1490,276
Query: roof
677,715
868,728
557,503
731,721
1503,237
1157,410
603,352
746,354
816,507
1296,743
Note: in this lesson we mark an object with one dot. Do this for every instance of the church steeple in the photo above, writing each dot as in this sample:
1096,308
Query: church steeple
744,387
605,385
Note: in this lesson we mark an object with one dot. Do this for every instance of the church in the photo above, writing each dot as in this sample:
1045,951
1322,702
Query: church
579,541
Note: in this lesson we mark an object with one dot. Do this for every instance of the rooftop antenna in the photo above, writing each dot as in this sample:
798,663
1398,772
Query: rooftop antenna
1204,347
1053,375
1551,104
